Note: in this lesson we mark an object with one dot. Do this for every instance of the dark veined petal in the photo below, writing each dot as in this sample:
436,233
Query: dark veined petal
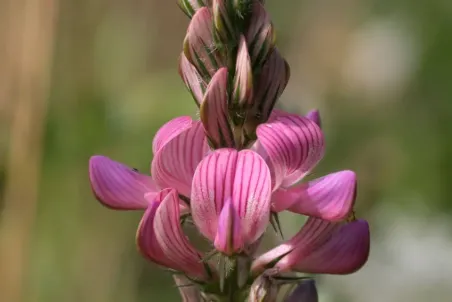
170,130
293,146
244,178
330,197
174,164
161,239
117,186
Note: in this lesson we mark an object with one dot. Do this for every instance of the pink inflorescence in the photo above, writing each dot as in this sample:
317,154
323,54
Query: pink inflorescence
235,169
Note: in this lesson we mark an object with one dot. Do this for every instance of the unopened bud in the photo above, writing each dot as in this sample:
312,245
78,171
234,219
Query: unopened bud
223,20
270,85
242,95
306,291
214,112
192,79
199,47
189,7
263,289
260,35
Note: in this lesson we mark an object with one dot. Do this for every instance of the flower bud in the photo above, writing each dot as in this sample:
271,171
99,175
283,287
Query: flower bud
214,112
223,21
263,289
193,81
305,291
189,7
260,35
199,46
242,95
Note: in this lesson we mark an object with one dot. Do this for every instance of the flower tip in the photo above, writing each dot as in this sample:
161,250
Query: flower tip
229,238
314,115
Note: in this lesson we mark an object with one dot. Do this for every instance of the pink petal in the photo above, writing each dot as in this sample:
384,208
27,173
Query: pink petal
174,164
293,146
229,233
172,240
117,186
344,253
170,130
313,233
314,115
146,237
214,111
242,177
192,79
330,197
321,247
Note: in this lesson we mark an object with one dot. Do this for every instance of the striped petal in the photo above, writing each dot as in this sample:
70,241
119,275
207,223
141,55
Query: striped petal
293,146
170,130
321,247
174,164
171,238
118,186
161,239
330,197
214,111
146,237
244,178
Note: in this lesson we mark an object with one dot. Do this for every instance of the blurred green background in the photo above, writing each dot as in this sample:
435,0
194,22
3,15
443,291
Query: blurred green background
86,77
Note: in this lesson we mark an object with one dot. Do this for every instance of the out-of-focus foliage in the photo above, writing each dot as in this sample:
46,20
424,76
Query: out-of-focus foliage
377,70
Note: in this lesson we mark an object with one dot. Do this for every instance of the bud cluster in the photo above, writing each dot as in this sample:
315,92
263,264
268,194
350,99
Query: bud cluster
232,68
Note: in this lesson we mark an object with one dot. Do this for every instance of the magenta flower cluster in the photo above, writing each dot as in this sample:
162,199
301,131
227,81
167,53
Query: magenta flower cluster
231,172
